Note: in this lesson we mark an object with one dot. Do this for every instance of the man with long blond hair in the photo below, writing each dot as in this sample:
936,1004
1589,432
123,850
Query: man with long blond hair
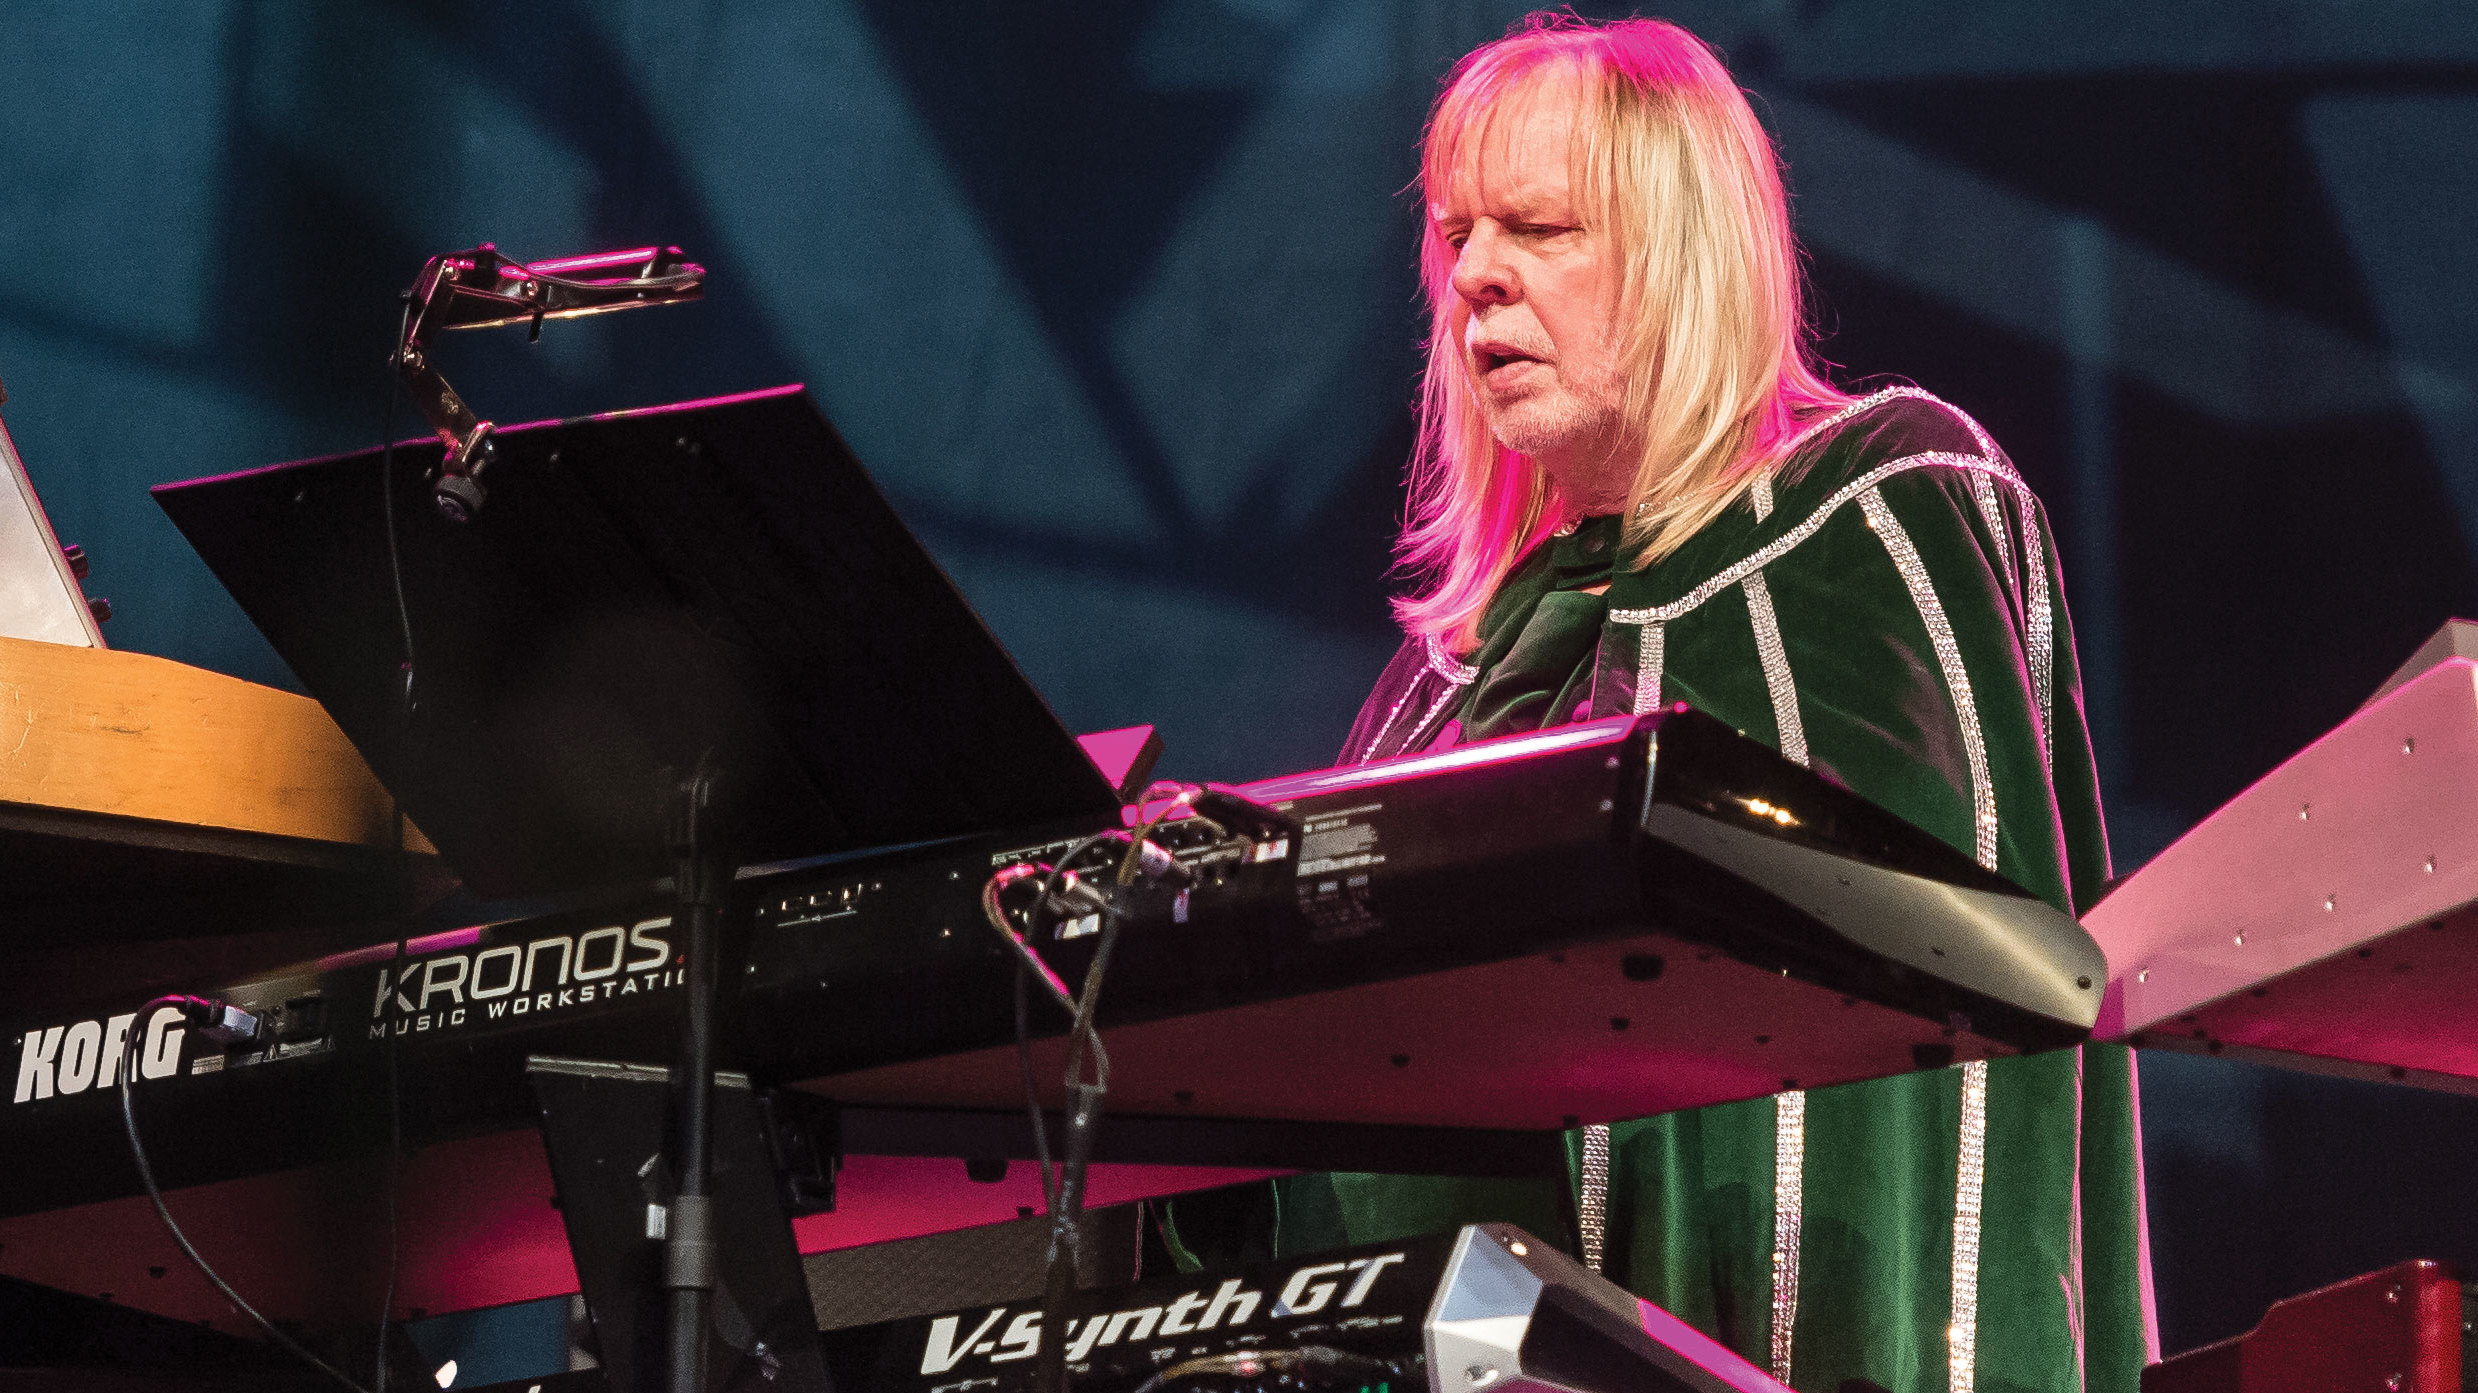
1633,487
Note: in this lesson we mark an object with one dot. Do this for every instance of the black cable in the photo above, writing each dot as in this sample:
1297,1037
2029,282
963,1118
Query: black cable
995,911
1064,1193
1028,964
1083,1124
1087,1096
1082,1033
131,1047
404,630
387,506
1032,1091
1065,866
395,1152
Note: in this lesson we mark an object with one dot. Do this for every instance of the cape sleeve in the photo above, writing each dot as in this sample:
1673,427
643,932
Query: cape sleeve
1936,672
1409,709
1394,685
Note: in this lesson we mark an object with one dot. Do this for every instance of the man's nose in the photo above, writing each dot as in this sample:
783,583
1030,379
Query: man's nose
1483,274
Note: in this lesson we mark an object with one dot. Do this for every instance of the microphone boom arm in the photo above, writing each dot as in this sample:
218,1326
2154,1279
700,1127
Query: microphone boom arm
481,289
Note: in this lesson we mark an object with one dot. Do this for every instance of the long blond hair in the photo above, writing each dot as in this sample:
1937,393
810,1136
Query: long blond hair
1670,164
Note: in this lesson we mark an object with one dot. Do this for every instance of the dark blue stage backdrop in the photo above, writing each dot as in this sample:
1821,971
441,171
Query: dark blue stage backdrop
1116,299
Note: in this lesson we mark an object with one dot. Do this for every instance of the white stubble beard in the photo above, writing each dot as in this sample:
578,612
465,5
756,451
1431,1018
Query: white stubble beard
1572,437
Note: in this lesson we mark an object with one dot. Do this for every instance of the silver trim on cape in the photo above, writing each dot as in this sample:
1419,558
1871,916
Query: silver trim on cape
2031,585
1969,1190
1420,729
1592,1198
1789,1200
1378,739
1778,681
2039,620
1991,512
1444,664
1651,641
1948,657
1774,550
1456,675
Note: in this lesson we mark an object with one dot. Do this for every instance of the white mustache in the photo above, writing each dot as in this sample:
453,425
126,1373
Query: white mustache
1476,331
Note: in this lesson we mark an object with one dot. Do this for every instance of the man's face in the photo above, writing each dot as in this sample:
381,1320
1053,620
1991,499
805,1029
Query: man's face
1536,302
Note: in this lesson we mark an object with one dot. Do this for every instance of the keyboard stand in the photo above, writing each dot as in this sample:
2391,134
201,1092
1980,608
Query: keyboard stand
609,1129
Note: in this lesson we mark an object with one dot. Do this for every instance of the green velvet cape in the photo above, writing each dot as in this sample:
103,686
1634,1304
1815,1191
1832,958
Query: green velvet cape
1886,607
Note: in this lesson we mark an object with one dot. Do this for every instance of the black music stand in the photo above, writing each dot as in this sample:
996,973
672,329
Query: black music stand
676,641
643,588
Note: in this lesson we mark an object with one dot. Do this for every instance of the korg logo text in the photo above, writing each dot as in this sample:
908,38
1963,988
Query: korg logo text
68,1059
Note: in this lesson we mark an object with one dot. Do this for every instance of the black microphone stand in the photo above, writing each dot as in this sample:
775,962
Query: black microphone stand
478,289
702,879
